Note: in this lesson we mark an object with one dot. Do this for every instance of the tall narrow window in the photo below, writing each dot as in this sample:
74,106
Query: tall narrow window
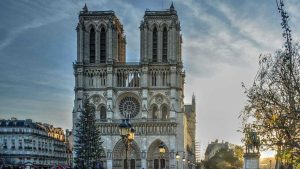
165,46
132,164
102,46
154,79
156,163
165,113
92,46
119,48
162,163
154,113
102,113
154,45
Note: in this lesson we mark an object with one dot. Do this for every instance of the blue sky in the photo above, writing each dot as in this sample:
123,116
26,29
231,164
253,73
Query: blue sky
222,41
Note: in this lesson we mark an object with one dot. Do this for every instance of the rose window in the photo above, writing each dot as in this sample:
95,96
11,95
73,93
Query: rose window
129,107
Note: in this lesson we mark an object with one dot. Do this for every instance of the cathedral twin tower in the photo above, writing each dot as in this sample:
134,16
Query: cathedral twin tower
149,93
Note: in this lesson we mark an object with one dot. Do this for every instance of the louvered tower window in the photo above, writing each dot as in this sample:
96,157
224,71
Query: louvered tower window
92,46
165,46
154,46
102,46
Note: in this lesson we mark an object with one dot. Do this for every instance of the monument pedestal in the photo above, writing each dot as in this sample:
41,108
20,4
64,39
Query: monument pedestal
251,160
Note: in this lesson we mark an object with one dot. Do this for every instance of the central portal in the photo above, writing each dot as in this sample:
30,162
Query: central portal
119,156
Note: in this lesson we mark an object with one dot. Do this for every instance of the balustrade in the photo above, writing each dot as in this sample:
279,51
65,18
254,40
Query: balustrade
141,128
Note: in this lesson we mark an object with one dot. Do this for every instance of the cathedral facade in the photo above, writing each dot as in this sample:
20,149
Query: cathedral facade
149,93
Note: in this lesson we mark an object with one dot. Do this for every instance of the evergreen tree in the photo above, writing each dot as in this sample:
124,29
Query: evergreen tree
88,142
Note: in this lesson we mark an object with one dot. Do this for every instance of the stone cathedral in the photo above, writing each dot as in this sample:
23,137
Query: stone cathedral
149,93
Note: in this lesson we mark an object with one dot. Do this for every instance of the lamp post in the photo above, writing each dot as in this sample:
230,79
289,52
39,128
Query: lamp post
162,151
127,134
183,161
177,158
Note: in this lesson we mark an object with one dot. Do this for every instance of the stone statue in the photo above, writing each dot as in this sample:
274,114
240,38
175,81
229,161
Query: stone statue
252,141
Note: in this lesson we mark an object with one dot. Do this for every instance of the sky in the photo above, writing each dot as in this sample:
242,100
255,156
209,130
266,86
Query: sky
222,41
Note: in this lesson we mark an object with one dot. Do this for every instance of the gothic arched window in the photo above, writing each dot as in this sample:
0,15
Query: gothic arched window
102,46
92,45
165,45
154,112
165,112
154,45
102,113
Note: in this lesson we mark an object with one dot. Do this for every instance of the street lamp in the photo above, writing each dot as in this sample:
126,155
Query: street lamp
183,161
177,158
127,134
162,151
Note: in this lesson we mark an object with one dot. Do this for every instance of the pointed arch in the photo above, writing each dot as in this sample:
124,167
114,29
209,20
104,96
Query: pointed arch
156,160
154,44
92,44
102,45
119,154
102,25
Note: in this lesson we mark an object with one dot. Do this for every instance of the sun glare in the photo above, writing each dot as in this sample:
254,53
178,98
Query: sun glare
266,154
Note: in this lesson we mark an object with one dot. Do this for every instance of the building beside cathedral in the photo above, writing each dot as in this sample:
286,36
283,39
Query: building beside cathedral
24,143
150,93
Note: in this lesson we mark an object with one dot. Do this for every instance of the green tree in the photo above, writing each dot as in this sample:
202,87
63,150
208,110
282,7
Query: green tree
87,146
273,105
225,159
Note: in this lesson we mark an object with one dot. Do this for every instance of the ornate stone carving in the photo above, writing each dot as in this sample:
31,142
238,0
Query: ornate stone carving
143,154
105,94
167,93
96,99
140,93
159,99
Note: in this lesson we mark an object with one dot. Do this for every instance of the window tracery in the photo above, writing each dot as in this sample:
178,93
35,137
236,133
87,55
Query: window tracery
129,107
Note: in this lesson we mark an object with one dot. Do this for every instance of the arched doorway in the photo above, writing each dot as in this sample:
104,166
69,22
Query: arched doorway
133,156
155,160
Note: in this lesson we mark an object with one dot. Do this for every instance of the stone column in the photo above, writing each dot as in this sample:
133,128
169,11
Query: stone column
251,160
109,46
109,164
159,45
109,91
144,163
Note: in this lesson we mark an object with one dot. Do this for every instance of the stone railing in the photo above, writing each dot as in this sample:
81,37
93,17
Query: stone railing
149,127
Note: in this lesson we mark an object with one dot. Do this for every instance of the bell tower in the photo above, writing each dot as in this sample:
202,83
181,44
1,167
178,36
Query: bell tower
160,37
100,37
